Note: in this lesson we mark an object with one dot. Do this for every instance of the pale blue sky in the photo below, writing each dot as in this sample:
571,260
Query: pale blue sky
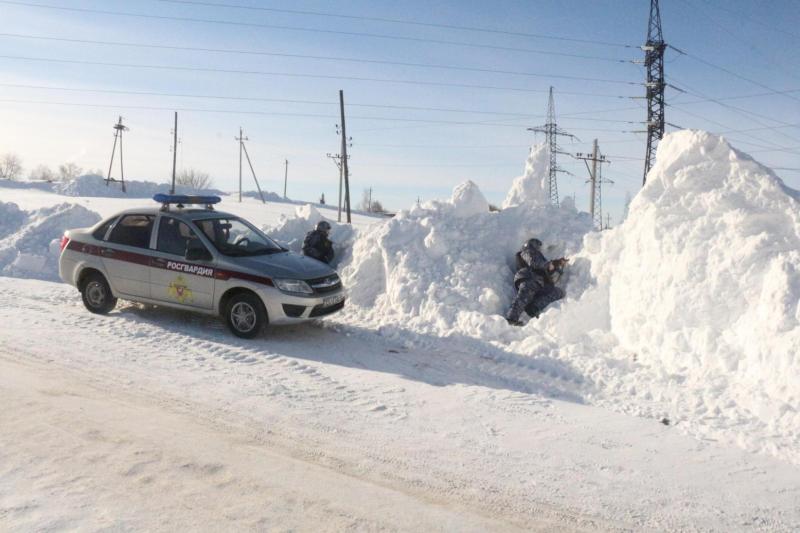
401,159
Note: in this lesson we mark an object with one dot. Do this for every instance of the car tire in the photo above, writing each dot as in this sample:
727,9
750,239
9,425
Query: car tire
245,315
97,296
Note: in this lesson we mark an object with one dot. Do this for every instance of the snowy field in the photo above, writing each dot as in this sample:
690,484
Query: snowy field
662,394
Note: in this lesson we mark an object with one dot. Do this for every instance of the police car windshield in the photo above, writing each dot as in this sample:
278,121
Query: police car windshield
237,238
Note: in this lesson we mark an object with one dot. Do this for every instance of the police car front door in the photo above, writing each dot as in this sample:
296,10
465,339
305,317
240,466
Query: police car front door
173,279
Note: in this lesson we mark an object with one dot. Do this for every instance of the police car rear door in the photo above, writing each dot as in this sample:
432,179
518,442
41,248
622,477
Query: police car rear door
173,278
126,255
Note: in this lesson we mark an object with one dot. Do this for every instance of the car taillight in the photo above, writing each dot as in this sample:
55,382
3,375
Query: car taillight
64,242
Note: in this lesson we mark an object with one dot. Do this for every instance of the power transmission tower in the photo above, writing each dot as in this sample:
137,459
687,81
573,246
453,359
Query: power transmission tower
596,181
118,129
552,132
654,63
242,148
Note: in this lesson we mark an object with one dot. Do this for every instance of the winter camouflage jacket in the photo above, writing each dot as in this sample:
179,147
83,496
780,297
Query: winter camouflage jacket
319,246
532,266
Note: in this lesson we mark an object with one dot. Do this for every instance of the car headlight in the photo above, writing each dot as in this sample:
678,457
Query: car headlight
293,285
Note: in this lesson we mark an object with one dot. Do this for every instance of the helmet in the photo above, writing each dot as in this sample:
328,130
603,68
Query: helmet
534,244
323,225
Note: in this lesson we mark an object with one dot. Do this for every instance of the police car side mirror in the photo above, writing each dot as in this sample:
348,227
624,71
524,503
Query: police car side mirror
195,251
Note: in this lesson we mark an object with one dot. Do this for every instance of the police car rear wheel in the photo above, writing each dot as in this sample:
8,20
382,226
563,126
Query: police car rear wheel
97,295
245,315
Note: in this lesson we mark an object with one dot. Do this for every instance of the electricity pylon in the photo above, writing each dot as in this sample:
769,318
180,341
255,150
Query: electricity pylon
654,63
118,129
552,132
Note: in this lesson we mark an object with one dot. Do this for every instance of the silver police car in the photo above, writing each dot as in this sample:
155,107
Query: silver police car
199,259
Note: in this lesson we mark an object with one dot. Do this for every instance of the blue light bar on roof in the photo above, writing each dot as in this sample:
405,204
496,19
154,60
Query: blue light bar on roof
184,199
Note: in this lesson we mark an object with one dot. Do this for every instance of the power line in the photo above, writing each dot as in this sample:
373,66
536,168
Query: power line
302,75
749,17
728,129
308,102
739,110
719,101
317,102
399,21
736,38
736,75
274,113
272,26
296,56
739,97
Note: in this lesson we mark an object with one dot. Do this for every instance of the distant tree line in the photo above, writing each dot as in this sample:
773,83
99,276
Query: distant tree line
11,169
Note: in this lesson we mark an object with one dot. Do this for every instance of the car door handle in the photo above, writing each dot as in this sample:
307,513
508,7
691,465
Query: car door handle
107,252
158,262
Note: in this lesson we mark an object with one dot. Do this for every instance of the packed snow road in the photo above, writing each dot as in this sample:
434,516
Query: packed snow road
154,419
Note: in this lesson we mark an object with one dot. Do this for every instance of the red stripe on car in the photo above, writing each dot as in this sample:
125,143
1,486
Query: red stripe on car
168,264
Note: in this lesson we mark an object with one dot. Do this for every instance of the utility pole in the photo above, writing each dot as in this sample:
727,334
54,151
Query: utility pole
654,63
345,169
174,151
369,208
118,129
242,148
241,138
285,176
552,131
337,159
596,181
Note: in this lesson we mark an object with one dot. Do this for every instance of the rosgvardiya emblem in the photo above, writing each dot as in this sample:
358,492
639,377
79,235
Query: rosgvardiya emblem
180,291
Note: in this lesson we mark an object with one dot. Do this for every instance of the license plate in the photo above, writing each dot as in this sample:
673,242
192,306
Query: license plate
333,300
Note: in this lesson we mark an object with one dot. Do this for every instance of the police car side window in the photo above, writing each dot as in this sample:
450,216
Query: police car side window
133,230
173,235
100,233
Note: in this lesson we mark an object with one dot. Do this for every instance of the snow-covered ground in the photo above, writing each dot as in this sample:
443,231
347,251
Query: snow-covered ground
662,393
155,419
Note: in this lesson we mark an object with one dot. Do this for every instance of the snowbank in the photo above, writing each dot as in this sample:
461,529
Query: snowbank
29,247
703,279
689,310
446,267
532,187
94,185
268,196
291,231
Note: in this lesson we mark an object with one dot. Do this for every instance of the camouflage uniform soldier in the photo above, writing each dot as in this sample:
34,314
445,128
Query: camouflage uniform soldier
317,244
534,282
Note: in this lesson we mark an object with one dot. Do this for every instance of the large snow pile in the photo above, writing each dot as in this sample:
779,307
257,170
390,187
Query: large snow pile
446,267
94,185
291,231
703,279
532,187
29,241
268,196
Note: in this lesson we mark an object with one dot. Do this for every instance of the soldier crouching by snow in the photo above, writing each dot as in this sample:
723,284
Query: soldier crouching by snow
317,244
534,281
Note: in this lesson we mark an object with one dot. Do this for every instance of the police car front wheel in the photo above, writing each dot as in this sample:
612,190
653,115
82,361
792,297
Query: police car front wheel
97,295
245,315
